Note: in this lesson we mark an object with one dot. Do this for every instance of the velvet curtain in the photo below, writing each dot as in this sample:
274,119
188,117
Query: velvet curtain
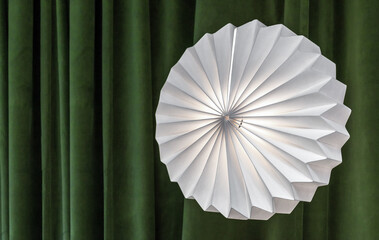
79,85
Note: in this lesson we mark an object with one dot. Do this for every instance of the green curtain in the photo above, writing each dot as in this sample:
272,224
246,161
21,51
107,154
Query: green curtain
79,85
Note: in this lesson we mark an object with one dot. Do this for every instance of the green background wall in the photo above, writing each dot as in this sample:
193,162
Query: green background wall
79,84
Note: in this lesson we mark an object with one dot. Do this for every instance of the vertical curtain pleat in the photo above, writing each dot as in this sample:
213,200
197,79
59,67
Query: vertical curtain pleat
4,160
79,86
211,15
133,161
171,32
52,212
46,119
86,182
63,123
24,138
296,16
354,212
107,105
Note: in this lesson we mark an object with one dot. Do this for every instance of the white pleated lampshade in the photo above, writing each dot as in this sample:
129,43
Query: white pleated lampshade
251,121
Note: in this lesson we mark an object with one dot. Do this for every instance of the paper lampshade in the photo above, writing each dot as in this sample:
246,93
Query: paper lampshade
251,121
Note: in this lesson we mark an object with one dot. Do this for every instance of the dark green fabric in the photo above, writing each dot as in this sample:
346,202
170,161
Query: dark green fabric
79,85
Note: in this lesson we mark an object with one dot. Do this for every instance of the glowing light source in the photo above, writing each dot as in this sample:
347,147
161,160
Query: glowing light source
251,121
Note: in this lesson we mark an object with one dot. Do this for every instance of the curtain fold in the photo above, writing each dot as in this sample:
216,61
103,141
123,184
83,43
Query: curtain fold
133,162
107,51
354,212
4,175
24,165
79,86
62,177
171,29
